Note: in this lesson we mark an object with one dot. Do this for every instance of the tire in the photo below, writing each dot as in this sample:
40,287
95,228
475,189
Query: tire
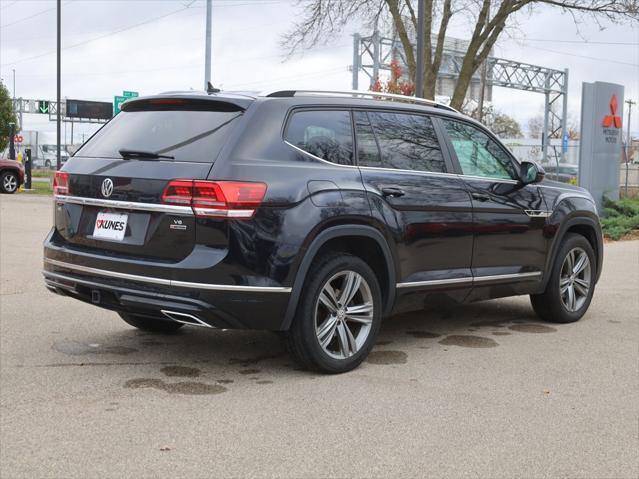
150,324
556,304
9,182
348,338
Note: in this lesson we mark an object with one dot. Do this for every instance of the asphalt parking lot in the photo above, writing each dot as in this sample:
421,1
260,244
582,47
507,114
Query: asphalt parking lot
483,390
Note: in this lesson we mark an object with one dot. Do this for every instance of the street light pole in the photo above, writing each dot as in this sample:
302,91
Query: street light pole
419,72
630,104
59,105
207,59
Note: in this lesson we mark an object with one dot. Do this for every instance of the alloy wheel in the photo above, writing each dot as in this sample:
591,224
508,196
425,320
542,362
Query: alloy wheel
344,314
575,279
10,183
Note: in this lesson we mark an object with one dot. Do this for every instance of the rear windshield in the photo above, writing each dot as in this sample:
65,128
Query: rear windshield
186,135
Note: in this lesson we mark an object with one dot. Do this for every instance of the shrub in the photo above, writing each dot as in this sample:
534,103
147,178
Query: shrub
621,217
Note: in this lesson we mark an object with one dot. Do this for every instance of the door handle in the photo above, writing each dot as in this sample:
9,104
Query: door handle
480,196
393,192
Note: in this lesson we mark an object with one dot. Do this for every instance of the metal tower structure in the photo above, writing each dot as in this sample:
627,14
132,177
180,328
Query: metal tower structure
374,53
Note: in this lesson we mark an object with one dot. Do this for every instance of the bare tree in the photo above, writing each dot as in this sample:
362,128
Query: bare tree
321,20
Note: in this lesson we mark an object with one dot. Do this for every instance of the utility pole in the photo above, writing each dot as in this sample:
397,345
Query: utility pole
630,104
14,85
59,64
207,59
419,72
482,78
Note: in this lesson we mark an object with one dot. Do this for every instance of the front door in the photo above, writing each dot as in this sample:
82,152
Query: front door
411,192
508,216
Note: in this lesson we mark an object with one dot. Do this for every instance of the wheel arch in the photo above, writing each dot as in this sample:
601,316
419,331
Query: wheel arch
585,224
341,238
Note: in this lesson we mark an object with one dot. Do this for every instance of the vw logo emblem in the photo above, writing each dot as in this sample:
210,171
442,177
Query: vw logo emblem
107,187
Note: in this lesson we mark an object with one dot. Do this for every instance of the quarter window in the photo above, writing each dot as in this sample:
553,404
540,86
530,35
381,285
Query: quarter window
326,134
407,141
477,153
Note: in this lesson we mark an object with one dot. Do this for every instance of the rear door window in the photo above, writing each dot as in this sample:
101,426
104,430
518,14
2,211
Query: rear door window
326,134
407,141
186,135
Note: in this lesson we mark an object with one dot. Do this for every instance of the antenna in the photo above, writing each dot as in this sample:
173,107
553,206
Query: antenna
211,89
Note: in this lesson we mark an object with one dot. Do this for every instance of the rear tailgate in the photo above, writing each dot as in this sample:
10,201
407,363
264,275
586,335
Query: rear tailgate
114,204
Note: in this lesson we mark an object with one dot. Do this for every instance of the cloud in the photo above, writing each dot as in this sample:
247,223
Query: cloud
166,51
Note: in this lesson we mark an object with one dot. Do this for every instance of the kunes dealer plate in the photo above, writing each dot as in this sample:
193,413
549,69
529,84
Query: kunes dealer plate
110,226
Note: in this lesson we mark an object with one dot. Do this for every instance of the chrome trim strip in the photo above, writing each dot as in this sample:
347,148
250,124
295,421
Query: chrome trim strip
125,205
538,213
198,321
217,213
418,172
317,157
468,279
489,178
435,282
167,282
499,277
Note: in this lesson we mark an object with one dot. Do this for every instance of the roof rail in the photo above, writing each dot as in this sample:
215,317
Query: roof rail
358,94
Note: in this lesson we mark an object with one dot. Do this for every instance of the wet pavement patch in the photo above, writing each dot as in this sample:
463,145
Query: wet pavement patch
532,328
492,323
614,321
224,381
423,334
187,387
501,333
387,357
264,382
254,360
382,343
75,348
469,341
180,371
250,371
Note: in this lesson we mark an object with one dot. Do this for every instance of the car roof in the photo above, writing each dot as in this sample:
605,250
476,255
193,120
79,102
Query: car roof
350,99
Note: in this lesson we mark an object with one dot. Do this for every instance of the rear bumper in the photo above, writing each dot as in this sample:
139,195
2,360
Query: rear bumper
227,306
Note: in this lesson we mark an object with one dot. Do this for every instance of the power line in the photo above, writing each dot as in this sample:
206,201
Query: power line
75,45
578,41
7,6
37,14
584,56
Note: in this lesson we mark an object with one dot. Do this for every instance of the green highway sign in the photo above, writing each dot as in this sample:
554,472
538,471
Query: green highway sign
118,100
43,106
117,103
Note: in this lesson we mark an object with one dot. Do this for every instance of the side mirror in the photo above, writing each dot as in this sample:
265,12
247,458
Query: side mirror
531,172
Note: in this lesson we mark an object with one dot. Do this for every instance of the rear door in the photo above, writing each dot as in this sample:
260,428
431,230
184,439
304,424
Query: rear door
114,201
508,217
427,210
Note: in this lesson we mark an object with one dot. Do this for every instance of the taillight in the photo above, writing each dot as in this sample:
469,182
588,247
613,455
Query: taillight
61,183
216,199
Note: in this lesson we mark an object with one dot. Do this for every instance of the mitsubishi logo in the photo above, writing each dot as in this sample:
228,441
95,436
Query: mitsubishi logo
107,187
612,119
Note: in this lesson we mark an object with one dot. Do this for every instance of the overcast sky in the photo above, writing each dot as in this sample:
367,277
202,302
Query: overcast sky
152,46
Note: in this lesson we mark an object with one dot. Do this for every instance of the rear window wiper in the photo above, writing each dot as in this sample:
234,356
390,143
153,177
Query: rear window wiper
142,155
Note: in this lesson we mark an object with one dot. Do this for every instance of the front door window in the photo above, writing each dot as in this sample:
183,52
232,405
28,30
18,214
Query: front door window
477,153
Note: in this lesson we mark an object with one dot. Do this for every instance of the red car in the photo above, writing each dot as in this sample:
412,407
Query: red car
11,175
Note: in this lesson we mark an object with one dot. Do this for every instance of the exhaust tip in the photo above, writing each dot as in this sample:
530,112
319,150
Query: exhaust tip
185,318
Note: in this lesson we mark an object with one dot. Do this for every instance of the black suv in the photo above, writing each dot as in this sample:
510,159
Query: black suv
311,213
